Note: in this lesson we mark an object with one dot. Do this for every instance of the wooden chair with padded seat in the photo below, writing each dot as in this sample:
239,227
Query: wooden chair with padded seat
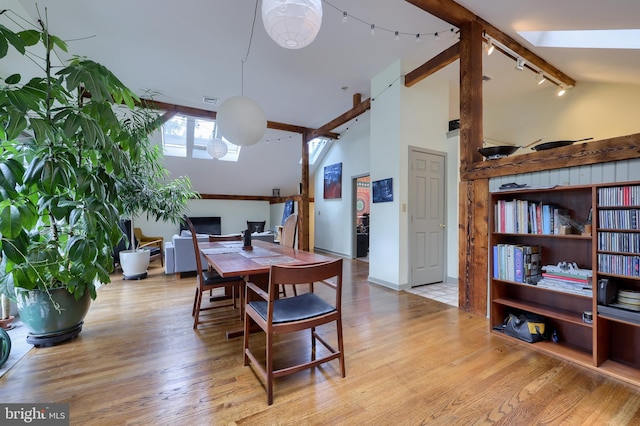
239,290
210,280
306,311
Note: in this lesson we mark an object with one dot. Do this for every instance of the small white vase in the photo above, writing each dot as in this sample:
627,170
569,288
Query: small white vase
134,262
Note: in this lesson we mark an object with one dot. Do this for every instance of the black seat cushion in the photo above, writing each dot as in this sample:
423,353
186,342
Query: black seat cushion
296,308
212,277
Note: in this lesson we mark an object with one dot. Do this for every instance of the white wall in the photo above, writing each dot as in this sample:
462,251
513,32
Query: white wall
233,213
260,168
333,218
593,110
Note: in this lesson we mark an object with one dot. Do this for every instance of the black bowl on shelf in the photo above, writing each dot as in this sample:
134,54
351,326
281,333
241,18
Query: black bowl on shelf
491,152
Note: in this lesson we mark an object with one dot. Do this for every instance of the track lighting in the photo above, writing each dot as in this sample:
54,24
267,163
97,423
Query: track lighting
418,38
562,89
490,47
373,29
540,78
520,64
345,17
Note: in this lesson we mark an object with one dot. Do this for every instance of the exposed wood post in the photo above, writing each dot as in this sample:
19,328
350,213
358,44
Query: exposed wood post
470,94
303,207
357,98
473,237
473,240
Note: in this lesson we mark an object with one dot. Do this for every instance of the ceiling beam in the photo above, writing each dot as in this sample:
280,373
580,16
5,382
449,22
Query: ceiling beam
203,113
455,14
354,112
433,65
447,10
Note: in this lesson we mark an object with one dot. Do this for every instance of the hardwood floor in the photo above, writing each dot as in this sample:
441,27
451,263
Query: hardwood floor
409,361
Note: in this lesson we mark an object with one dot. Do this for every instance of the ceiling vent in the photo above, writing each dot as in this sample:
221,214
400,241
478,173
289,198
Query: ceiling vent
211,101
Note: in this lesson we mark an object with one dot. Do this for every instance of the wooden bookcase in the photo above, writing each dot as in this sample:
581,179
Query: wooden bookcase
609,344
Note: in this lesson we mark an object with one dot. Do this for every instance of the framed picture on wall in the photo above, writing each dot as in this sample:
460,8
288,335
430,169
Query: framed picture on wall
382,190
333,181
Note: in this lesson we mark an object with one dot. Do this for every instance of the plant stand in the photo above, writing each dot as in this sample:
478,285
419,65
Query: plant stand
54,339
135,277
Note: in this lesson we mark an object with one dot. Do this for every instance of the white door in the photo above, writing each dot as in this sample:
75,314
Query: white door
426,217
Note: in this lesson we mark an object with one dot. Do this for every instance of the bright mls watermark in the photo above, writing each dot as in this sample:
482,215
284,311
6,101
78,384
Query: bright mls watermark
34,414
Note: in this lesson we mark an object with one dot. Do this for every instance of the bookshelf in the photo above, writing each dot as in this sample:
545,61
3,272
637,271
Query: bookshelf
617,263
610,251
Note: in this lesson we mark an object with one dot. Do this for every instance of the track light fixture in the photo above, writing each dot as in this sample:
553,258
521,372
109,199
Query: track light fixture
541,78
490,47
520,64
562,89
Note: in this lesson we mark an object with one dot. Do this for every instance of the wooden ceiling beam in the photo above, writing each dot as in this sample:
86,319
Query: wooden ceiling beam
455,14
354,112
433,65
203,113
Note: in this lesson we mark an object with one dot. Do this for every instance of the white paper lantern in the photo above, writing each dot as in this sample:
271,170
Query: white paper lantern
217,148
293,24
241,121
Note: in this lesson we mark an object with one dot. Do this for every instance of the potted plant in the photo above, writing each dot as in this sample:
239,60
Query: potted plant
146,190
65,156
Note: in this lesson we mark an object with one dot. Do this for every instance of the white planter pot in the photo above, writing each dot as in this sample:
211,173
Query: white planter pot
134,262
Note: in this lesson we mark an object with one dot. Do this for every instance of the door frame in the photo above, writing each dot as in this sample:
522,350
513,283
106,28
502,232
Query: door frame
354,212
411,201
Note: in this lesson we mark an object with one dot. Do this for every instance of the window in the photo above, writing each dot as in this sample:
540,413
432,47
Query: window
184,136
316,148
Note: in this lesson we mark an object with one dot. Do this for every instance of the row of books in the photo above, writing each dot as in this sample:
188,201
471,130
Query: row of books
626,242
619,264
519,263
619,196
528,217
619,219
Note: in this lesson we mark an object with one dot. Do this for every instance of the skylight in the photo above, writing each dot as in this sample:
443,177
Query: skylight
316,147
184,136
586,39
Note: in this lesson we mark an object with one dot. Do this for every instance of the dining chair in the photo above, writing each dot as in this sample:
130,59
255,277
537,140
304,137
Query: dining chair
289,230
239,289
288,239
210,280
307,311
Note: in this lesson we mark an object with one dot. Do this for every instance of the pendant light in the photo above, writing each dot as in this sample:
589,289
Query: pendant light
293,24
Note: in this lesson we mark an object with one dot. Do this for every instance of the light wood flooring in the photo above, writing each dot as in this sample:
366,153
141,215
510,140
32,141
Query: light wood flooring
409,361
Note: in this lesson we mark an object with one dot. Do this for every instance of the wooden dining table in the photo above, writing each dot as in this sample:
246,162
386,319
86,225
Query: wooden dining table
230,259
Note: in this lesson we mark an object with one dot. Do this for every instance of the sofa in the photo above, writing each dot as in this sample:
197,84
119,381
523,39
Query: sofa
179,256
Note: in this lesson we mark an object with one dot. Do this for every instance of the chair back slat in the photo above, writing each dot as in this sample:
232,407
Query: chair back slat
215,238
196,249
289,231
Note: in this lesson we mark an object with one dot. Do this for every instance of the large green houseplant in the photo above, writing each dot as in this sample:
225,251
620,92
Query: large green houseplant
66,159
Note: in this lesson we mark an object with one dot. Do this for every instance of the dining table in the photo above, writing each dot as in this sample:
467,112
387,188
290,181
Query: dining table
253,263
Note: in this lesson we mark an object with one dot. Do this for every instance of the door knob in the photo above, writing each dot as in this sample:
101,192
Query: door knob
442,225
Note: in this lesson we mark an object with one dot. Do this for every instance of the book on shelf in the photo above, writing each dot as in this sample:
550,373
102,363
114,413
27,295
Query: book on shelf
529,217
518,263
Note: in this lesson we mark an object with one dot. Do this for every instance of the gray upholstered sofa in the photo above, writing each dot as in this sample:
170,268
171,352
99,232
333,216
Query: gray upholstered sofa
179,256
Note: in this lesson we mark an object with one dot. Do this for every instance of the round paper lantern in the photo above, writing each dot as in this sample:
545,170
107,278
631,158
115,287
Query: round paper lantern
241,121
217,148
293,24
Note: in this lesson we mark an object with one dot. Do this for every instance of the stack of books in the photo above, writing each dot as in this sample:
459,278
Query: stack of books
567,277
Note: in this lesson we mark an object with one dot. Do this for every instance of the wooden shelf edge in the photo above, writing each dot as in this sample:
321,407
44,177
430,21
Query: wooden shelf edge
567,353
562,236
573,317
582,296
621,372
